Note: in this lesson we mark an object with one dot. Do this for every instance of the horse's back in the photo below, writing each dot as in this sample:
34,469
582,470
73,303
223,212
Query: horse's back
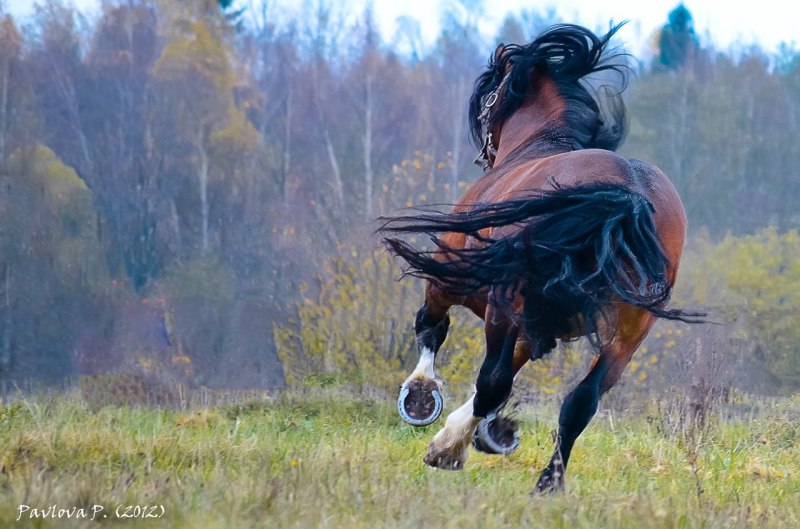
585,167
571,169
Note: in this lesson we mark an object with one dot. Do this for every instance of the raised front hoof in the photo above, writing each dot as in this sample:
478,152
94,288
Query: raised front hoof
446,459
496,435
550,482
420,402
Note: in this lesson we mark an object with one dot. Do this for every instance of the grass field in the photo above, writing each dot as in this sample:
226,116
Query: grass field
330,460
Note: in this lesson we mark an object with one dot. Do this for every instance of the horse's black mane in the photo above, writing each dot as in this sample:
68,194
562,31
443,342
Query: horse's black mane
567,53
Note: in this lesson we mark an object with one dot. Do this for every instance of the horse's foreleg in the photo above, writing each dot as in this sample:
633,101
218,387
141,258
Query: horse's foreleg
420,401
580,405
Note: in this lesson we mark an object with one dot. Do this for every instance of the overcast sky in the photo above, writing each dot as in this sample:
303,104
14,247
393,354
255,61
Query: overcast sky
723,23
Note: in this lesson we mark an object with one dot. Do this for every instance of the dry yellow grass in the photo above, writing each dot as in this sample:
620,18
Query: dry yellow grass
331,460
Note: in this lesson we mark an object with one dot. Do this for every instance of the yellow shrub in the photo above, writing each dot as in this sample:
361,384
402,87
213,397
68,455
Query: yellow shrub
356,326
754,279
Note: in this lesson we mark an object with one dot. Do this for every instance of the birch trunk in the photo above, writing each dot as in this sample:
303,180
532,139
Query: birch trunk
458,132
176,225
5,354
287,143
338,185
203,181
368,174
3,109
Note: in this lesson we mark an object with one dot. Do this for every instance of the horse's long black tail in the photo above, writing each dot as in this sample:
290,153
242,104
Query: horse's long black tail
578,250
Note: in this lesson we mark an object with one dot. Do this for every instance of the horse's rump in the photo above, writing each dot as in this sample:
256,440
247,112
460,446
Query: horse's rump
575,252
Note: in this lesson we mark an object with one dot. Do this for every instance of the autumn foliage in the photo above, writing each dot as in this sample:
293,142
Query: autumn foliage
186,180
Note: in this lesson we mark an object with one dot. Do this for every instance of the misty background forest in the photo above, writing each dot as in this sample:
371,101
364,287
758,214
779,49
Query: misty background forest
188,195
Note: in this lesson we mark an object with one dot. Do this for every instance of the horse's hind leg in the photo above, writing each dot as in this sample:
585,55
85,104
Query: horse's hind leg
497,434
420,401
448,449
580,405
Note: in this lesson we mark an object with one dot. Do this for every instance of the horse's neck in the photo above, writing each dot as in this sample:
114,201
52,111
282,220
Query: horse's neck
532,121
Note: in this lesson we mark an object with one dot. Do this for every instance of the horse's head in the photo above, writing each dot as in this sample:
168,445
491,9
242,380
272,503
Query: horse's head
547,76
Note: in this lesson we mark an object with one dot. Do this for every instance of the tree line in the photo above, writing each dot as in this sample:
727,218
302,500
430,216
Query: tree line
177,175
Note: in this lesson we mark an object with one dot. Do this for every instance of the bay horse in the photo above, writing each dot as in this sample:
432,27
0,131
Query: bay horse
560,238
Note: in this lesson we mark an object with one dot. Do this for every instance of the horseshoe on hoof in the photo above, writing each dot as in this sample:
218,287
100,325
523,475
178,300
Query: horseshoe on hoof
420,403
496,435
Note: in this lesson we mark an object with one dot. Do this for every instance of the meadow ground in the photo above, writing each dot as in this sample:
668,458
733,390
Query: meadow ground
332,460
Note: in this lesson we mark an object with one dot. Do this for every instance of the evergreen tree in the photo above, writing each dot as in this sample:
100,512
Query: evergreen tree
677,42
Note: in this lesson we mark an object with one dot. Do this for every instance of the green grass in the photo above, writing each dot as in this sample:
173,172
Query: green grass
328,460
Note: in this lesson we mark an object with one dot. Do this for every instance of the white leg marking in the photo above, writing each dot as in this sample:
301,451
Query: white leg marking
450,445
424,369
460,424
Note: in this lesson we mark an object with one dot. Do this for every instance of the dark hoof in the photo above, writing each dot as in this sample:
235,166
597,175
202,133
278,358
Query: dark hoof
420,402
550,481
447,460
496,435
